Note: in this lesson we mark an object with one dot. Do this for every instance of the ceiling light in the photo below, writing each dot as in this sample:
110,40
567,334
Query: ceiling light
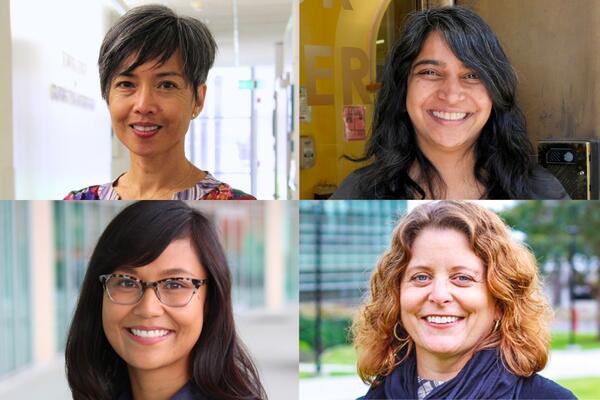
197,5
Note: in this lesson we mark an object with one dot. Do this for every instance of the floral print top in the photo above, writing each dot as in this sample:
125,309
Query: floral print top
208,188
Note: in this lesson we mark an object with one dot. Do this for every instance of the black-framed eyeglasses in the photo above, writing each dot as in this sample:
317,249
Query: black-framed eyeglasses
172,292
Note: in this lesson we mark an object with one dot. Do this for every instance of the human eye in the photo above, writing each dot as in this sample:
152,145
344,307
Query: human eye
472,76
428,73
168,85
125,283
463,279
124,84
420,278
175,284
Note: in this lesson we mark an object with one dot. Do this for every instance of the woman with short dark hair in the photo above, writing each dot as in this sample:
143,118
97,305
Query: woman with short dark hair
455,311
446,122
153,68
154,315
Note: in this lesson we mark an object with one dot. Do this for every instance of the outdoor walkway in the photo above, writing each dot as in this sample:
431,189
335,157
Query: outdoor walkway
271,338
562,364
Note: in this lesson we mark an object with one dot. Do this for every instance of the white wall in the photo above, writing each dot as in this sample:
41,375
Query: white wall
58,145
6,148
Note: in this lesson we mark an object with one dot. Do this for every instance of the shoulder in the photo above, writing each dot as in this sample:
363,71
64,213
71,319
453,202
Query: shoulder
88,193
225,192
210,188
538,387
544,185
350,187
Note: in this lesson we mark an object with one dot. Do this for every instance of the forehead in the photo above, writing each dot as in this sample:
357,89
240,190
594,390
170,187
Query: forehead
178,259
443,248
173,64
436,48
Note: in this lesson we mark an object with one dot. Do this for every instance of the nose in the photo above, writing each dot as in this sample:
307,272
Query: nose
149,306
145,101
451,90
440,292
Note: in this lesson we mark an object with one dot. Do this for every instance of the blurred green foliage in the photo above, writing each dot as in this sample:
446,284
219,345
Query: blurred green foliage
334,330
583,388
548,226
585,341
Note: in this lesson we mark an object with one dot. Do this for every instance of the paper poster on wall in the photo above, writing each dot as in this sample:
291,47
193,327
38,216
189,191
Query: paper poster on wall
305,109
354,123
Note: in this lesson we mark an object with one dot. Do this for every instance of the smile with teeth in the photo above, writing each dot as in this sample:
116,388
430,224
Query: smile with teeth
149,334
449,116
145,128
437,319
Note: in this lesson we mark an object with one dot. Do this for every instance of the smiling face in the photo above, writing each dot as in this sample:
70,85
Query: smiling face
447,103
151,106
446,307
149,335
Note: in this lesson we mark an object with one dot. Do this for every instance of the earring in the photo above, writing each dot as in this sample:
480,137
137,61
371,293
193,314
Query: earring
396,334
496,325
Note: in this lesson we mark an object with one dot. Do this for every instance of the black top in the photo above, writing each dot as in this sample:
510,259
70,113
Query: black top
535,387
544,185
538,387
188,392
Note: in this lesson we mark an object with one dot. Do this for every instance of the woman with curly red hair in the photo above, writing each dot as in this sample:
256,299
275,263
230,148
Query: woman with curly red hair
455,311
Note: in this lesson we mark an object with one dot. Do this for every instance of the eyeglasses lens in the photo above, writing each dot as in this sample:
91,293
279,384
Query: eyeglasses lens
172,292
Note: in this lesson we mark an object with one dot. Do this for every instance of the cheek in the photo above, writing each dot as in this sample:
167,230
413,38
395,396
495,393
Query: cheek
194,318
409,302
109,320
485,102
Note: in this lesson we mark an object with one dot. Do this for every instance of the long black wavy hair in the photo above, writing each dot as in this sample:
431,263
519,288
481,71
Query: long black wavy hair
504,155
220,367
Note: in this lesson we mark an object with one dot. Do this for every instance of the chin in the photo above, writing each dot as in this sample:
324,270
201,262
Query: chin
444,347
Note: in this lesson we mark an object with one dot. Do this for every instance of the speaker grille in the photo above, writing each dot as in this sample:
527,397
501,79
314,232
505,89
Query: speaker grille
569,162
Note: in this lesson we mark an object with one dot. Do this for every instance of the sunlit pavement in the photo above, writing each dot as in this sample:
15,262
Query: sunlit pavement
271,338
562,364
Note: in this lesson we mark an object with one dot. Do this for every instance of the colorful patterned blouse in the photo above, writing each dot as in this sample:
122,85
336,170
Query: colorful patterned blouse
208,188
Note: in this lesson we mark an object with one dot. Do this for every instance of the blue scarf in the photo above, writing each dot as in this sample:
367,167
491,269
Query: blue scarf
483,377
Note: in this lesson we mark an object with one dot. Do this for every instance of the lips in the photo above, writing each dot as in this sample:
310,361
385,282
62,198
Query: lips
145,129
442,320
449,116
148,335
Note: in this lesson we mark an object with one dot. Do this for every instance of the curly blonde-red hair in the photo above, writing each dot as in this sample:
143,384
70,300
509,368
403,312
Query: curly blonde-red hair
511,277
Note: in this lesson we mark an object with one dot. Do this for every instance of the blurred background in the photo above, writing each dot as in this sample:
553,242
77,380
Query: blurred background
52,115
341,241
44,250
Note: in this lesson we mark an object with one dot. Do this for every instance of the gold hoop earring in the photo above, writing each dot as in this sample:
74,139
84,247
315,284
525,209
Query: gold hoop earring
396,334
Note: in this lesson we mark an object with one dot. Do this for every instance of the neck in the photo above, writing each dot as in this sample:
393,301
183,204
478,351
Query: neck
156,384
437,368
457,172
157,177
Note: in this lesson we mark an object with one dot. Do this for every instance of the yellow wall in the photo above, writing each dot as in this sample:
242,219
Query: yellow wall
337,38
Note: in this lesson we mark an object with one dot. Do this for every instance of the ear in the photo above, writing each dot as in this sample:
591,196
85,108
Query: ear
199,102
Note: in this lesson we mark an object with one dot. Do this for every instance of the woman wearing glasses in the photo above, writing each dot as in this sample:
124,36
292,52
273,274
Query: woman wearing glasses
154,318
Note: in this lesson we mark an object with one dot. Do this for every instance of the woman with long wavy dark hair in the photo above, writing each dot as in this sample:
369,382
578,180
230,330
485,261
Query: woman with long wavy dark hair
446,121
176,340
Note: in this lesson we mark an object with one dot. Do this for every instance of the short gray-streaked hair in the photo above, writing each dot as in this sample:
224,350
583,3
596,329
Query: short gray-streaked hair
155,32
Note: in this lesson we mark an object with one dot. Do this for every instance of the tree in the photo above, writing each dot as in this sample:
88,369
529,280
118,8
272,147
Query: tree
547,223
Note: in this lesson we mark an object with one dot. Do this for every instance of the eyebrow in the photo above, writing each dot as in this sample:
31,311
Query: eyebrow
171,272
130,74
451,269
437,63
